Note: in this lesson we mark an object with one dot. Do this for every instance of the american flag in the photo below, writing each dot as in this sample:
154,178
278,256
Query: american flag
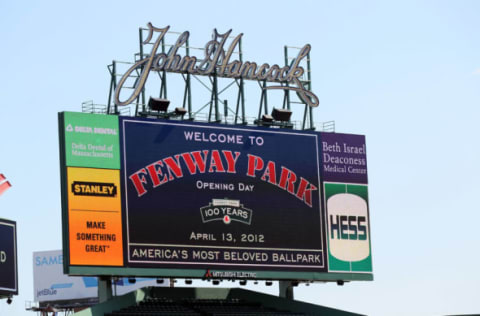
4,184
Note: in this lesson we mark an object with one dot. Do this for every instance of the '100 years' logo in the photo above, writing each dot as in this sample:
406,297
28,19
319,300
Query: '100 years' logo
227,211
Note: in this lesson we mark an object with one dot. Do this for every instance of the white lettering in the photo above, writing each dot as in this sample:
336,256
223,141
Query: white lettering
214,137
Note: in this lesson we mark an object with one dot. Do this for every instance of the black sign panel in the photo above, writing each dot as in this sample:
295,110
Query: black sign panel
200,196
8,258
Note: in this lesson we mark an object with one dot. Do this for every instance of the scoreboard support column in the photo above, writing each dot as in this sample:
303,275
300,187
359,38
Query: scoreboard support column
286,289
104,289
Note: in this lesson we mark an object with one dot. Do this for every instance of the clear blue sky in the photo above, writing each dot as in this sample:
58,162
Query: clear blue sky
404,73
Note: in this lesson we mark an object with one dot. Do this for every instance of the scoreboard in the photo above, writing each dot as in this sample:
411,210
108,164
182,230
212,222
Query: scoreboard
185,199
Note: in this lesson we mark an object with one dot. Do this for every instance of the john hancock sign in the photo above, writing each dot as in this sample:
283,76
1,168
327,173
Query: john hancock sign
217,61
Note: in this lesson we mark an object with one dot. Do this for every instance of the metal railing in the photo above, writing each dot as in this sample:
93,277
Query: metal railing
94,108
91,107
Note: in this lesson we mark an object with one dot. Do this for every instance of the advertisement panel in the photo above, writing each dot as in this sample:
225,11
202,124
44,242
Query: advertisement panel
91,140
91,189
348,227
345,186
50,284
204,200
94,213
8,258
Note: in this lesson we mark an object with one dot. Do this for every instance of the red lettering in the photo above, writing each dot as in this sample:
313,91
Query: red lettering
287,177
138,180
254,163
216,162
305,194
197,162
231,161
270,173
154,171
173,165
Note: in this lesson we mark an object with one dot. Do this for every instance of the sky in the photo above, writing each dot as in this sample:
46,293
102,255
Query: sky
404,73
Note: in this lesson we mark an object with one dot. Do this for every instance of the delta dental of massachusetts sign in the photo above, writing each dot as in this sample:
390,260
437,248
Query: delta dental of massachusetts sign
216,62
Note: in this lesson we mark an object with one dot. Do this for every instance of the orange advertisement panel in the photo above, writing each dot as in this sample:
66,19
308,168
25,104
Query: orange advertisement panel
94,215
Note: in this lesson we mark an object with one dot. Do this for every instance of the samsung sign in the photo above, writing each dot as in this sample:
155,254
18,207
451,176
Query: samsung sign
8,258
50,284
199,197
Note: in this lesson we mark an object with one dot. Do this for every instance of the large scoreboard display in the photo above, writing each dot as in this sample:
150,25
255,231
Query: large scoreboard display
174,198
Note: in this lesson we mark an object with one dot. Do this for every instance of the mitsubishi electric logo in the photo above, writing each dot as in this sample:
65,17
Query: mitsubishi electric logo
209,274
227,211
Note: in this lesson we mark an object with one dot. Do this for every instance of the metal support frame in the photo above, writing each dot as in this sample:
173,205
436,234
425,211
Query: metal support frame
214,100
187,95
240,102
307,122
163,77
104,289
113,69
142,94
309,87
263,100
286,98
241,90
113,85
215,113
286,289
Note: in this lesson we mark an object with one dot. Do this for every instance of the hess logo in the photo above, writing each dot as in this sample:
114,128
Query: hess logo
349,227
347,216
